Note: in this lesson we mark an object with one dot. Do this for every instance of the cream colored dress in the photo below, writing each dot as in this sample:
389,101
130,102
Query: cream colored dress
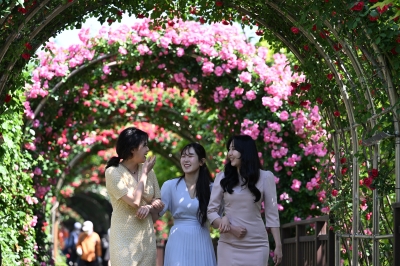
241,210
132,241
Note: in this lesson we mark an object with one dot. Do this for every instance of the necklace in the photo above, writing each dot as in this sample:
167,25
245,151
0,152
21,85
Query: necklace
132,172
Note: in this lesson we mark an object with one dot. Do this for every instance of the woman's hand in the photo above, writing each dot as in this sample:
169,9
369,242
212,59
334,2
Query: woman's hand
224,225
277,255
157,204
238,231
143,211
149,164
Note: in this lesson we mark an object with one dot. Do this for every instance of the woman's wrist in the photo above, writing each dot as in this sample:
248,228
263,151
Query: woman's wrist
143,177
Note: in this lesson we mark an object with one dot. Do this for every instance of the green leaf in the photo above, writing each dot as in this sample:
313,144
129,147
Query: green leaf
3,170
5,126
8,141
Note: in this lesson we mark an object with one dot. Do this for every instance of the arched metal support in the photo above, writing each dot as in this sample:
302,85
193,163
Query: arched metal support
352,122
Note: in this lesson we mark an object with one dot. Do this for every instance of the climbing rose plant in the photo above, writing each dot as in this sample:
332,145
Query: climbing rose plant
358,17
79,97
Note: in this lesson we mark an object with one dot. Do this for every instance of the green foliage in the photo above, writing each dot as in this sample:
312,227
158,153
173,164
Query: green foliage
359,89
19,237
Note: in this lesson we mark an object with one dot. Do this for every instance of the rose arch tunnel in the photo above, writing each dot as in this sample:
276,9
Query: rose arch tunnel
60,111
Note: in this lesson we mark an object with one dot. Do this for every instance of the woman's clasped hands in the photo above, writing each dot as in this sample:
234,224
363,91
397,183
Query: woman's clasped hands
226,227
143,211
156,205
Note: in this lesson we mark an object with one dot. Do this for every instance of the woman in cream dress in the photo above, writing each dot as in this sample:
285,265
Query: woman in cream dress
135,197
243,186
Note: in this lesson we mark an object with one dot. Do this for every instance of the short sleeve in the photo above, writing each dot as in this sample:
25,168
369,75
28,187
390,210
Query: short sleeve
216,200
156,186
166,197
270,201
115,184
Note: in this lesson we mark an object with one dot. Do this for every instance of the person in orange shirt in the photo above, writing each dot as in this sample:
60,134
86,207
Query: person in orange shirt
89,246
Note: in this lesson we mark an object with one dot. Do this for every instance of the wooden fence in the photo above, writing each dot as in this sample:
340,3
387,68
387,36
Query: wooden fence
396,232
160,252
308,243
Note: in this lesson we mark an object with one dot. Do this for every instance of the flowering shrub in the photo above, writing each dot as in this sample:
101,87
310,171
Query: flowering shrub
83,112
22,215
163,225
347,50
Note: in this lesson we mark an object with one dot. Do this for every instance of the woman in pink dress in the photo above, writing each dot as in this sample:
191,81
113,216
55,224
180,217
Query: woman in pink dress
242,187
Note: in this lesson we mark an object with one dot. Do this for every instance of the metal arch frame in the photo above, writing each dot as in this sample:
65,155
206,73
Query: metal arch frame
353,127
392,96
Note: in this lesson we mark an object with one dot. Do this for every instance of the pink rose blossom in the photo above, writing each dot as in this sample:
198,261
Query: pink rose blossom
106,70
284,115
122,50
208,68
33,221
296,184
251,95
238,104
37,171
325,209
296,219
218,71
245,77
180,52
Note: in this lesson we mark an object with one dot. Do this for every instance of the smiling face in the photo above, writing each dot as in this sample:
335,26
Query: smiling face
190,161
234,156
140,153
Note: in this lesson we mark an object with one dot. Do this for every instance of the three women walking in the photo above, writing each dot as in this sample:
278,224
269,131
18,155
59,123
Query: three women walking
194,202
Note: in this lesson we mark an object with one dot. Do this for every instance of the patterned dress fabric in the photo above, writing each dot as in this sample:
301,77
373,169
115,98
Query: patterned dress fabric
241,210
132,241
189,243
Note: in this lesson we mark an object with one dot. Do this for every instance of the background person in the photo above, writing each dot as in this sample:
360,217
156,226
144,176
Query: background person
243,186
187,197
134,194
105,243
89,246
70,245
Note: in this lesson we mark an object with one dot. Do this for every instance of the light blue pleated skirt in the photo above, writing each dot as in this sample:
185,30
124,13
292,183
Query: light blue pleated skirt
189,244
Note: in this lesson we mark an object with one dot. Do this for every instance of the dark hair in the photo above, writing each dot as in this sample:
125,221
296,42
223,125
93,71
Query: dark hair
203,191
130,138
249,168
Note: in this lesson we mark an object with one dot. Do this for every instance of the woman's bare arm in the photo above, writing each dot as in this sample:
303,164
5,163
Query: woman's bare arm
275,231
133,197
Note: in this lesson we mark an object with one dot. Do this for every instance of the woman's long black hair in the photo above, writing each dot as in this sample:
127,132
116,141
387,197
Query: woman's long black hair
130,138
203,191
249,168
